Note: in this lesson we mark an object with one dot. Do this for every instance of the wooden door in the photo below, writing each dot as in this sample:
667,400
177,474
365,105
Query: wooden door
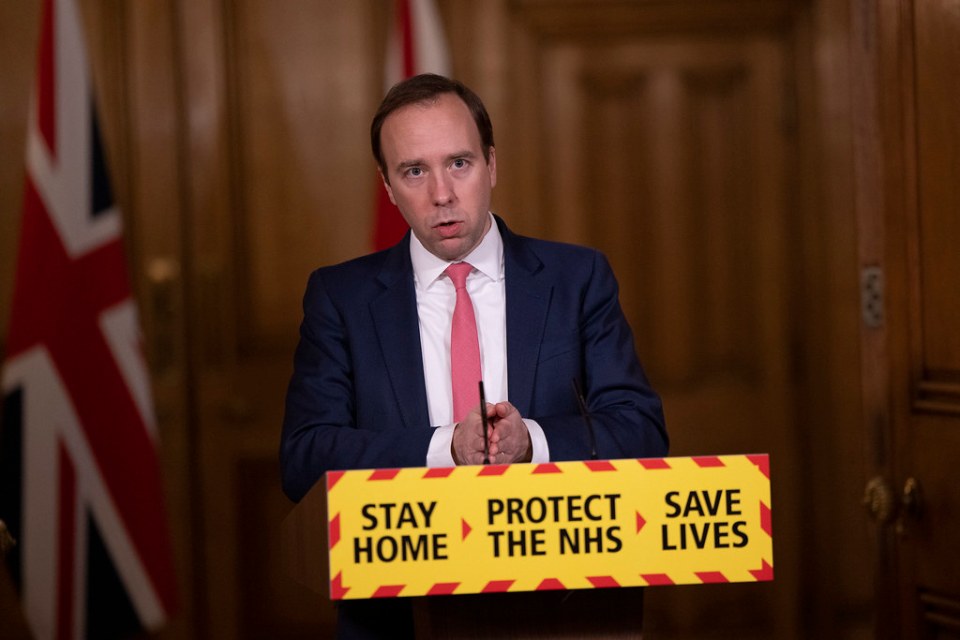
908,202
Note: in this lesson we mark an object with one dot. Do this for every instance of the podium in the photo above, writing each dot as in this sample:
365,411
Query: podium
555,550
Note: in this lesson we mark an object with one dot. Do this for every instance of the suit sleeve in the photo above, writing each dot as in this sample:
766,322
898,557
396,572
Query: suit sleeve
626,412
320,430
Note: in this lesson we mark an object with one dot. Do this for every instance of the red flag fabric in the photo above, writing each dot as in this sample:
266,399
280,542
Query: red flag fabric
80,487
416,45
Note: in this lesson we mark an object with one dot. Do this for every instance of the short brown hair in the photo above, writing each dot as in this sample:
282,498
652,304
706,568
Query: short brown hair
426,88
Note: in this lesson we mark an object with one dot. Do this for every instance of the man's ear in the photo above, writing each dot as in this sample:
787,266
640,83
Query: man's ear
492,166
386,185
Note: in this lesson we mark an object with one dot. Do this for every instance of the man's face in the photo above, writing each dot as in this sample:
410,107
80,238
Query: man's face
438,176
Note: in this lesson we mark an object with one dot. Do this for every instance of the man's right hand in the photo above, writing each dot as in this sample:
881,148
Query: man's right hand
467,443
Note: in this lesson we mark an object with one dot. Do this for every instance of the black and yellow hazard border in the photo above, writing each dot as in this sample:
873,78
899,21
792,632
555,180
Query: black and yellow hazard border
568,525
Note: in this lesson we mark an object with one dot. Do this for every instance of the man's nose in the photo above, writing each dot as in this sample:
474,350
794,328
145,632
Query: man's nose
442,190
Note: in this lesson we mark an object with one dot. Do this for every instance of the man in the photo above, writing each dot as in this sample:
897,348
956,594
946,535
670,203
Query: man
379,372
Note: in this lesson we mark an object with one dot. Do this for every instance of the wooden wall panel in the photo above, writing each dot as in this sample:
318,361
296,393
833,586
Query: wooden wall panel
937,102
922,258
307,84
837,603
906,213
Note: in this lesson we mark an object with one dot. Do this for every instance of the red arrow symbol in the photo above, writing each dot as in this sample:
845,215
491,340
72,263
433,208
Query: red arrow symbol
640,522
465,529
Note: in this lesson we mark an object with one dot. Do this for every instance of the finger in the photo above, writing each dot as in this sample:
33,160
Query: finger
504,409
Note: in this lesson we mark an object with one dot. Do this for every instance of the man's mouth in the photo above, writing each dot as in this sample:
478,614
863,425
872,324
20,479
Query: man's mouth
448,229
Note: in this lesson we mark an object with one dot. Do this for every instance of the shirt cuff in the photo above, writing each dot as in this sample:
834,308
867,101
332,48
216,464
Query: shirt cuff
439,454
538,442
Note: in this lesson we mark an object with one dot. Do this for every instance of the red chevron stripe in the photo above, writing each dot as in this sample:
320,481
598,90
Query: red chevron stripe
383,474
497,586
547,467
711,577
654,463
603,582
388,591
333,477
493,470
657,579
334,531
337,590
550,584
764,573
443,588
766,519
708,461
439,472
762,461
599,465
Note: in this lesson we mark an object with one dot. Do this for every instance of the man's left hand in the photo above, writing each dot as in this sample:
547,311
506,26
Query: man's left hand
510,441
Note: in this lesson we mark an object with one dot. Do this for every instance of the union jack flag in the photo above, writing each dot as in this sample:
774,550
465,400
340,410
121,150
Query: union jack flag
80,484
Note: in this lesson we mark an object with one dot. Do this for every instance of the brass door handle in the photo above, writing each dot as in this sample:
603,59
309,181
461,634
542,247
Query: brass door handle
911,504
884,506
879,501
163,275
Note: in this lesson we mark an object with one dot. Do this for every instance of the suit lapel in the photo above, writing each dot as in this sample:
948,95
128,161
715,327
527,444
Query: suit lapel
395,318
528,300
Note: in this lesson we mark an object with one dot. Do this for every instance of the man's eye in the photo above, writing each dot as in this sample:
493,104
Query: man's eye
414,172
459,163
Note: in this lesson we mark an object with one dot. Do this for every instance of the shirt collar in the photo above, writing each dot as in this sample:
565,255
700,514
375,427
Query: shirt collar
486,257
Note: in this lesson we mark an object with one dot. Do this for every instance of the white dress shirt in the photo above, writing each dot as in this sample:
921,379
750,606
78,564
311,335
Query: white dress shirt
436,298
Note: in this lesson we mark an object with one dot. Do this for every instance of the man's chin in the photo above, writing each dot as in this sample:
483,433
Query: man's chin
450,249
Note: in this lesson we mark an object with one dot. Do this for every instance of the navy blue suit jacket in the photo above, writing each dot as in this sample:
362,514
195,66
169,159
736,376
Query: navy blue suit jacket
357,398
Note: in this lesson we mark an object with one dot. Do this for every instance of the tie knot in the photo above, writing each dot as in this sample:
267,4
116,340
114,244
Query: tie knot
458,273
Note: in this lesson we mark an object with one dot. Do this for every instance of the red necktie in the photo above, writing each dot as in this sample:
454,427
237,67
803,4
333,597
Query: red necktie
465,370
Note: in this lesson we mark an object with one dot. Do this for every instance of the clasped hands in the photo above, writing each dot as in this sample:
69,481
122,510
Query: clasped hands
508,437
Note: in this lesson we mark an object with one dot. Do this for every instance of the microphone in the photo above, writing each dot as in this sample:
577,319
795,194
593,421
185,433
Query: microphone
483,421
586,418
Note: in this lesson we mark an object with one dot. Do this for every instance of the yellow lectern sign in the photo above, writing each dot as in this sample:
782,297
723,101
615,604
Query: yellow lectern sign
568,525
